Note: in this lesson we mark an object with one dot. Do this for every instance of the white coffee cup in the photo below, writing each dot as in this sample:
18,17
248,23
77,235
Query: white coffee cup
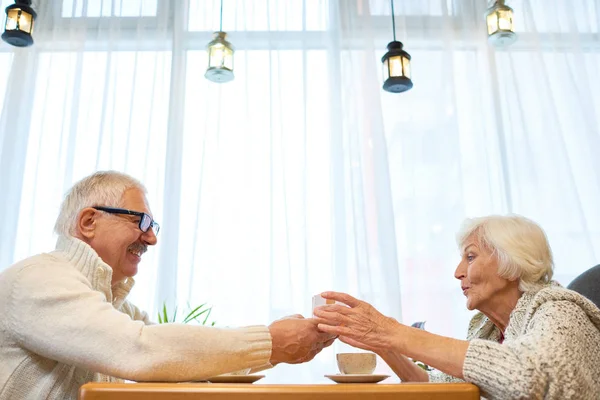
356,363
317,301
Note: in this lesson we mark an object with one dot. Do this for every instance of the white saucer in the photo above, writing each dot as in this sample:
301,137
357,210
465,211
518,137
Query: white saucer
235,378
357,378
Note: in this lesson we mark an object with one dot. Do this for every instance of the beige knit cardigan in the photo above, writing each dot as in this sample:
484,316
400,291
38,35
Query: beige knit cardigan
551,349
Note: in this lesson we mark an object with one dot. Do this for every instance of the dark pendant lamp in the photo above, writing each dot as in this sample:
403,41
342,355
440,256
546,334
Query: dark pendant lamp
19,24
499,19
220,56
396,64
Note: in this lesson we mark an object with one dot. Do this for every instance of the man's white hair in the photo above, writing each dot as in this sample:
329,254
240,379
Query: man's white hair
519,244
103,188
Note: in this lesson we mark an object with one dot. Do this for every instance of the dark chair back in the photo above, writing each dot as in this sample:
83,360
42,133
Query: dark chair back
588,284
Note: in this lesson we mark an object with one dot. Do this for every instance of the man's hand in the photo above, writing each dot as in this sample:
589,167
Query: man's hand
296,339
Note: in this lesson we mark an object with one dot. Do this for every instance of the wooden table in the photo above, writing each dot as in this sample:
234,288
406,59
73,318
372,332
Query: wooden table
214,391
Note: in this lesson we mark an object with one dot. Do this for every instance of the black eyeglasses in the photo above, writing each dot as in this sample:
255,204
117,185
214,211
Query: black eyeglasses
146,222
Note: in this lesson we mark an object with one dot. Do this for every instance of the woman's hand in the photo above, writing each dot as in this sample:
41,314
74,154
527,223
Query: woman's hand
359,325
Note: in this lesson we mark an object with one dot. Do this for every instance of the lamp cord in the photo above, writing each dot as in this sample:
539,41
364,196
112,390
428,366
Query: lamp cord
393,19
221,18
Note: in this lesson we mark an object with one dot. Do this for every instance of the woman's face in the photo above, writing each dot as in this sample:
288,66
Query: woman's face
478,275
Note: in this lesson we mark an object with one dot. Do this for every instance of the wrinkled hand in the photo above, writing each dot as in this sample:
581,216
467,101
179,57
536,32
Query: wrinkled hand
296,339
359,325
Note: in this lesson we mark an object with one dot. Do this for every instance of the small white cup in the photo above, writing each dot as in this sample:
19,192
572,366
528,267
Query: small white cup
317,301
356,363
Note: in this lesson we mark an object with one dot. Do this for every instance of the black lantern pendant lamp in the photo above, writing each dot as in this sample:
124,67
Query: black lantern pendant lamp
396,64
19,24
220,56
499,19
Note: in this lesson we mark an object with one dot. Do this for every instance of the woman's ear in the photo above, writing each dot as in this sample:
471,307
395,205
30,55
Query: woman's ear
86,222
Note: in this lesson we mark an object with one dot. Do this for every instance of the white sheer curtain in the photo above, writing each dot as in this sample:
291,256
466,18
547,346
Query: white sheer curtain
302,175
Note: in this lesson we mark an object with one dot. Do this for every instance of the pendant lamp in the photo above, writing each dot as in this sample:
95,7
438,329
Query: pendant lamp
19,24
396,64
499,19
220,56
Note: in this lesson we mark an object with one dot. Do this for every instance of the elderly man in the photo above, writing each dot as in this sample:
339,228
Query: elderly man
66,321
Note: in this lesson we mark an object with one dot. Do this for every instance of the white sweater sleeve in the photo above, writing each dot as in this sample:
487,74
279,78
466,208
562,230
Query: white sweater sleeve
135,313
55,313
548,361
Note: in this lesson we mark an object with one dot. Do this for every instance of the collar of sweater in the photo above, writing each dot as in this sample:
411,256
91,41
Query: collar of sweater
550,293
527,305
85,259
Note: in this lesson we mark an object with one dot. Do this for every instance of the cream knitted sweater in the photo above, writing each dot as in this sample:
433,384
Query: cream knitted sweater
551,349
63,326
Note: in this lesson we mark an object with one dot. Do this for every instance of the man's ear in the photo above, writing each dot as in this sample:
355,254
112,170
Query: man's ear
86,222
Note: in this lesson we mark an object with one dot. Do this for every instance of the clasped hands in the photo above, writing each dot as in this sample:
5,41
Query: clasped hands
296,339
356,323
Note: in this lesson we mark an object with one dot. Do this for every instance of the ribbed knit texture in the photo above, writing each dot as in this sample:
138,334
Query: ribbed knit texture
551,349
63,325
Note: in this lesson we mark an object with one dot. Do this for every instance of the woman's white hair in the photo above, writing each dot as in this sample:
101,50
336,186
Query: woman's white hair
519,244
103,188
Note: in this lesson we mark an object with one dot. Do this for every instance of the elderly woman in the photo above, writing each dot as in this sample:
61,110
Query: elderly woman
530,339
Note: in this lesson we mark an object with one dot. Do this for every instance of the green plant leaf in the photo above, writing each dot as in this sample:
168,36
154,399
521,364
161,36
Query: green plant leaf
199,314
165,315
207,315
195,313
